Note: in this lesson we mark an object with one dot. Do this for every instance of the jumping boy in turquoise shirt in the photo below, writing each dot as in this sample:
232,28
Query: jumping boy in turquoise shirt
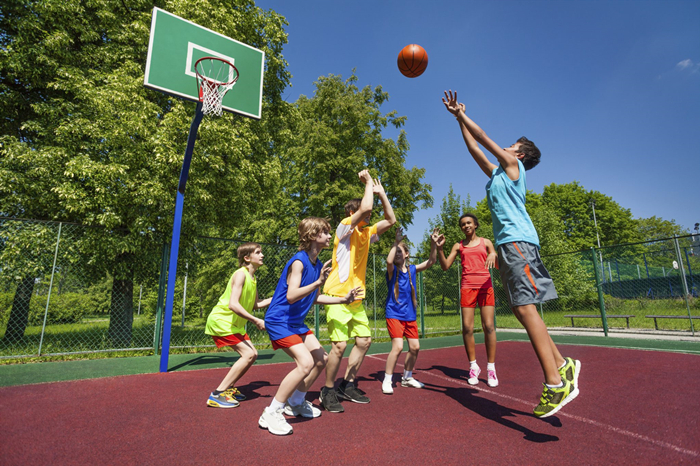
525,279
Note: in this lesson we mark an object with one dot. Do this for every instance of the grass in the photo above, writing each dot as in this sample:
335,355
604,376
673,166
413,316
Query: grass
89,339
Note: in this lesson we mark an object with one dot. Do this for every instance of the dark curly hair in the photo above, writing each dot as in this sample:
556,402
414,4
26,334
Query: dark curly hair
532,153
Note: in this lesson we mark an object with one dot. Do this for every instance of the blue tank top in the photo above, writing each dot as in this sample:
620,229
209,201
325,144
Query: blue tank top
506,199
283,319
404,309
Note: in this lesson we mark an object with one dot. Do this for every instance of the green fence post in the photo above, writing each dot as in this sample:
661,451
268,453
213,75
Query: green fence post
421,304
599,287
161,296
316,325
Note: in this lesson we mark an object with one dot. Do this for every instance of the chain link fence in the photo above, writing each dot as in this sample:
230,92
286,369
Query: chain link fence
64,290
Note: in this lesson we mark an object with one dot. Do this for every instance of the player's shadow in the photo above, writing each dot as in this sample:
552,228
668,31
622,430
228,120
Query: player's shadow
250,389
226,360
489,409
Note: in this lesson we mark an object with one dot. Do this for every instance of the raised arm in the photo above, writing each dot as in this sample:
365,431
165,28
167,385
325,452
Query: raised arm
477,154
433,252
367,200
234,303
392,252
446,262
389,217
508,161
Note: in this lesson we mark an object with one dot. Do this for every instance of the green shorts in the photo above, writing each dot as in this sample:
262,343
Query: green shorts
347,321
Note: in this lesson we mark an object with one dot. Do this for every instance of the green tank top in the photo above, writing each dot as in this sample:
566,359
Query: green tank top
222,321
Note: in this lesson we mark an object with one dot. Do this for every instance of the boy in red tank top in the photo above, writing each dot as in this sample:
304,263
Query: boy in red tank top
477,256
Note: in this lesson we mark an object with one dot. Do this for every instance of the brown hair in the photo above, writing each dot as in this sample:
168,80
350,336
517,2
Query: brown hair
352,206
309,229
246,249
403,246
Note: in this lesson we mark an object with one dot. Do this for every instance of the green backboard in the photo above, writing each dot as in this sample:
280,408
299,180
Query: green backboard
176,44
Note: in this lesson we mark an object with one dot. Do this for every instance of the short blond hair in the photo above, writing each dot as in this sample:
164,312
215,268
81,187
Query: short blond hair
244,250
309,229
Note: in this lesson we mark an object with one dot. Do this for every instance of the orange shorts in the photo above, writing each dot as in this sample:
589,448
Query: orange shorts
291,340
230,340
402,328
473,296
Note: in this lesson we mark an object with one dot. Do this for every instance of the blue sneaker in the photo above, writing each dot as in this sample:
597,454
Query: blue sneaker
221,401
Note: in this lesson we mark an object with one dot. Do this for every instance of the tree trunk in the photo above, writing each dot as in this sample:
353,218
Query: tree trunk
121,310
19,315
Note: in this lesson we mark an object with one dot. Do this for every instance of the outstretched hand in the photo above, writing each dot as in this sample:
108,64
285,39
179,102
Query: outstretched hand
353,295
378,188
451,104
325,270
365,176
399,234
440,238
435,235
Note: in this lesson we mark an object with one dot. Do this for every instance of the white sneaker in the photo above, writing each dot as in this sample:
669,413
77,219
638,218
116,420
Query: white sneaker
274,422
411,382
493,380
306,409
387,388
474,376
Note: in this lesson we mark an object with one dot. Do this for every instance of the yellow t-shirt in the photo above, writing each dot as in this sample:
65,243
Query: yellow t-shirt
222,321
350,252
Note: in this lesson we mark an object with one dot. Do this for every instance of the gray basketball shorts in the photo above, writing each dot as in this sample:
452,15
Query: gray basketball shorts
524,276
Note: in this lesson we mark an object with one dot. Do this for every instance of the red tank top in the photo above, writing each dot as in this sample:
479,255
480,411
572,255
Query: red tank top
475,275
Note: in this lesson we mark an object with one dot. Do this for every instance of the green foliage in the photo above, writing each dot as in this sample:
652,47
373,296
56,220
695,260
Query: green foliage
330,137
658,228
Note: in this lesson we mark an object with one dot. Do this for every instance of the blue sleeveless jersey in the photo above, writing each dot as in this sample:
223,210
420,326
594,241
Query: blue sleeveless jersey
506,199
283,319
404,309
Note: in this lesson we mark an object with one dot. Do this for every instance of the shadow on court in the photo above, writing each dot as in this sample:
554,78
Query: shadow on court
488,409
214,361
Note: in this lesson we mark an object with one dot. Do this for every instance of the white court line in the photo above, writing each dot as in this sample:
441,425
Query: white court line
617,430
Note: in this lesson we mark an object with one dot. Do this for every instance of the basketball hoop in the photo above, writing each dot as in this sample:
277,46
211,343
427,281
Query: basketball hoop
215,77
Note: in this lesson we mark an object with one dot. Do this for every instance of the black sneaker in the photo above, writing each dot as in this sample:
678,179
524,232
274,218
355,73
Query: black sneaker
329,400
352,393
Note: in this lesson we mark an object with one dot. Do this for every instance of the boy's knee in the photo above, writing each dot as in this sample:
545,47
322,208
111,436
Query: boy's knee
338,348
489,329
414,347
363,343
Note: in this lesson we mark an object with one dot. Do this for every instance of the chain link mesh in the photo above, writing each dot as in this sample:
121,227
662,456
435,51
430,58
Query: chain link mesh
75,306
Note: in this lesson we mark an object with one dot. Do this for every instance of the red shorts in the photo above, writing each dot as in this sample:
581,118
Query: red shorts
471,296
291,340
402,328
230,340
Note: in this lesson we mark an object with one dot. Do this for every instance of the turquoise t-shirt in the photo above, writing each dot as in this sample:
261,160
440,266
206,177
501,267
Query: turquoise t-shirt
506,199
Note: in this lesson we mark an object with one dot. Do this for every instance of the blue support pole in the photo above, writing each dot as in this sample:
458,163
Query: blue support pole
175,243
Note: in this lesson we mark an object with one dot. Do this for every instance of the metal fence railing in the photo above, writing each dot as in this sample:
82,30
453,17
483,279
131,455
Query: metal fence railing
64,290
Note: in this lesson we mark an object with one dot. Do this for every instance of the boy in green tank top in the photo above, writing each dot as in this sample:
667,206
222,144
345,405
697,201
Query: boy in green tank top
227,323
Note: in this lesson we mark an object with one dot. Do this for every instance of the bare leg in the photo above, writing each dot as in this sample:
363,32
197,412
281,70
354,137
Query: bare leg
305,363
334,358
357,355
320,359
487,313
248,356
468,332
396,348
413,348
541,341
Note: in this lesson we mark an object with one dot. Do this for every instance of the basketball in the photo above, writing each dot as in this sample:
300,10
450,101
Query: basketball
412,61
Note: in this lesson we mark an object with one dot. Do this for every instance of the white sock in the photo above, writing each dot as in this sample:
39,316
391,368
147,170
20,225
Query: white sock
297,398
473,364
564,364
556,386
388,378
491,366
275,405
407,374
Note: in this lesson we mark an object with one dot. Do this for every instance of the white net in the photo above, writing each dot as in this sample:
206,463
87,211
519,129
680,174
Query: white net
215,78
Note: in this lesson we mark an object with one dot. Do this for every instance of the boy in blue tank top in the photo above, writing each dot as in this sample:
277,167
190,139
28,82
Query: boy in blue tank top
525,279
297,290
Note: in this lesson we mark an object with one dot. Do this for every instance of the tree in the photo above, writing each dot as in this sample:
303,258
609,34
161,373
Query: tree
657,228
83,140
328,139
572,204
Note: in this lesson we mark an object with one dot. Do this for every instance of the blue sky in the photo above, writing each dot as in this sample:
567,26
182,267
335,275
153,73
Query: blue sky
609,90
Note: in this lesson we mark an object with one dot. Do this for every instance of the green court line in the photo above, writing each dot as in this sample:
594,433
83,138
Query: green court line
33,373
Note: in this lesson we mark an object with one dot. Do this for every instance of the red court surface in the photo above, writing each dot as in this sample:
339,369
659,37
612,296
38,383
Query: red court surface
635,407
